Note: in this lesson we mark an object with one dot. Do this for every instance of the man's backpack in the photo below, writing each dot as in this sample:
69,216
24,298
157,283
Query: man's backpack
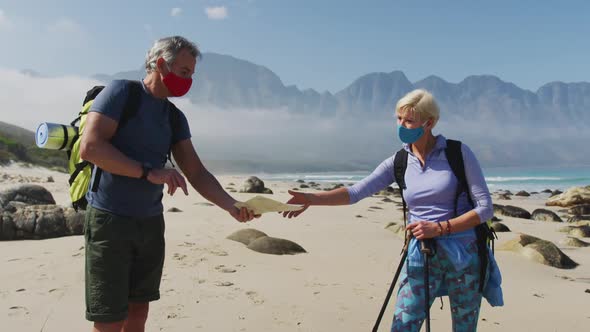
81,170
485,235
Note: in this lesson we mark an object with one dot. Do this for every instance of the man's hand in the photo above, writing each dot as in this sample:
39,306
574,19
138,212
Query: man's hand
242,214
169,176
424,229
298,198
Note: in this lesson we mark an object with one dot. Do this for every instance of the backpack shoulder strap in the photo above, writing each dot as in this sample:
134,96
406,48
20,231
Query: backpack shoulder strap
455,158
400,163
174,120
132,104
483,232
174,116
92,93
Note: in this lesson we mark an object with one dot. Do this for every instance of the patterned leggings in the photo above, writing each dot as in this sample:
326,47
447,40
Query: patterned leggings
462,287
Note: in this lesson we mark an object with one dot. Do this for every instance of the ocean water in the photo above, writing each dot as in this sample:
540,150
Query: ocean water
530,179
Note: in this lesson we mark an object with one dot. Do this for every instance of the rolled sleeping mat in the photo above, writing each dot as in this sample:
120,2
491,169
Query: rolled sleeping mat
55,136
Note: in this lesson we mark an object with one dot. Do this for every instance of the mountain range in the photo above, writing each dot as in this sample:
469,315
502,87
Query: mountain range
227,82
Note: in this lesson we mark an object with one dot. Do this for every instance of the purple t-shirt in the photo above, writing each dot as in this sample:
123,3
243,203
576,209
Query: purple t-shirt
431,189
430,195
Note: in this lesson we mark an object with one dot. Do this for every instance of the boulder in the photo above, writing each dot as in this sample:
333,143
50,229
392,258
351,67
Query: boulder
30,194
499,227
539,250
579,210
74,221
575,242
498,209
275,246
571,197
396,228
13,206
336,186
522,193
578,218
50,223
545,215
255,185
246,235
511,211
389,191
42,222
579,231
7,228
501,196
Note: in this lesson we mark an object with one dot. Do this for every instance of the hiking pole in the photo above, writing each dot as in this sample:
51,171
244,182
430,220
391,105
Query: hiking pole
397,272
426,249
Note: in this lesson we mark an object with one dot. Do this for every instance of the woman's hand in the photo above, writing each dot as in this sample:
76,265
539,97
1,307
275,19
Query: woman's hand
424,229
300,199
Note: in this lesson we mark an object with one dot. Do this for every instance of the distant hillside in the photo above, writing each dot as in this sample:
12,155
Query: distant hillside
231,83
18,144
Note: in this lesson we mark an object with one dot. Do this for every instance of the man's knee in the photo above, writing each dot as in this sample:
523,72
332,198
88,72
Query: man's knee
138,311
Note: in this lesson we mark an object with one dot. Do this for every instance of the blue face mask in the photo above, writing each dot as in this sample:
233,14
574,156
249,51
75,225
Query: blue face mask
409,135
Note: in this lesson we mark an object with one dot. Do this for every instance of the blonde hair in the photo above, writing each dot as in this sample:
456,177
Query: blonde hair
419,104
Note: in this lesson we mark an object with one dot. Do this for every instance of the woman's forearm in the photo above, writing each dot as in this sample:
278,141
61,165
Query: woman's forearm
464,222
333,197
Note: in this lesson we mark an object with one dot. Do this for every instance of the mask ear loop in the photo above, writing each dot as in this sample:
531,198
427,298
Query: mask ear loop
154,66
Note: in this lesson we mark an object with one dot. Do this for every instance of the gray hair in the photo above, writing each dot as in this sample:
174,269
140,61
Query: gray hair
168,48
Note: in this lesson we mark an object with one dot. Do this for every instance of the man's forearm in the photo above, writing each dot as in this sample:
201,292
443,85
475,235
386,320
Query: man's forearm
206,184
107,157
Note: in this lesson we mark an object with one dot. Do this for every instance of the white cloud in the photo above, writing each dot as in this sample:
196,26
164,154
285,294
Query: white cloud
49,99
65,25
176,11
5,22
276,135
216,13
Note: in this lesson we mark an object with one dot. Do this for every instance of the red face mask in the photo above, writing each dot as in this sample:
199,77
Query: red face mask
178,86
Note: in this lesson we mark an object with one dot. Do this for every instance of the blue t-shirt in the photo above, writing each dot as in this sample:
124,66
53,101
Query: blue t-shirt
146,138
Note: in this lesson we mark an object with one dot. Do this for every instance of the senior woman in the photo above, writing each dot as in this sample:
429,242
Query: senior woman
435,212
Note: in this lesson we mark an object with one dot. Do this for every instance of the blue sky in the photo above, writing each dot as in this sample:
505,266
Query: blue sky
323,45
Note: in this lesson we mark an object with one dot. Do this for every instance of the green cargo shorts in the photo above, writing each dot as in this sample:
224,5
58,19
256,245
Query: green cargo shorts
124,261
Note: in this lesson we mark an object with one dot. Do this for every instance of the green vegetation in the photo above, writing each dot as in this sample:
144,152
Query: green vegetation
18,144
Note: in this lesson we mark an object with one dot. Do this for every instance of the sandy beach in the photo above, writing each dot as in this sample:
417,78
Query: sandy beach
211,283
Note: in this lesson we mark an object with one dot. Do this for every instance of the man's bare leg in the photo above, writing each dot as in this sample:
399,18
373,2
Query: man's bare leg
136,318
108,327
